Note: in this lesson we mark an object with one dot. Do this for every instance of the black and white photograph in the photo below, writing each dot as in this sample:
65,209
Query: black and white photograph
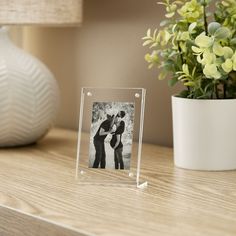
111,135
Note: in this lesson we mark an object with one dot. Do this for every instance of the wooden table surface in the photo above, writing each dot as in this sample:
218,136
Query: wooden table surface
39,196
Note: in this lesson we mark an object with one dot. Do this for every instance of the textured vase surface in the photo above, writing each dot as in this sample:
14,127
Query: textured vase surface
29,95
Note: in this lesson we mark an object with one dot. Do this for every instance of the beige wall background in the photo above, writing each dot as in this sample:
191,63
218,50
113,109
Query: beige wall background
106,52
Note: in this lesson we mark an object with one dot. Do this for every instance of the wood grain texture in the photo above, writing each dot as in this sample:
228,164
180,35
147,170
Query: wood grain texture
14,223
39,180
43,12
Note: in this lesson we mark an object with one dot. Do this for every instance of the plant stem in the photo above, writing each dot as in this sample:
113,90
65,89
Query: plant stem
216,91
224,89
180,53
205,17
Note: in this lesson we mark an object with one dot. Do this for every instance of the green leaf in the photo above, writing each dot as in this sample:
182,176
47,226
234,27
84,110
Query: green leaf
190,84
210,71
218,49
199,58
233,42
168,65
234,63
164,22
150,66
185,69
146,37
213,26
184,94
222,33
193,71
166,36
162,75
169,15
228,52
154,45
183,77
227,65
147,57
172,82
208,58
224,3
147,42
203,41
162,3
185,36
196,49
192,27
154,34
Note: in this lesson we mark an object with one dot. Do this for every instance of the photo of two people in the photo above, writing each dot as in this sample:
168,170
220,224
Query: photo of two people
111,135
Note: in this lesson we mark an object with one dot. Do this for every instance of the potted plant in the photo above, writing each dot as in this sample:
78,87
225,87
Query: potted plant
198,49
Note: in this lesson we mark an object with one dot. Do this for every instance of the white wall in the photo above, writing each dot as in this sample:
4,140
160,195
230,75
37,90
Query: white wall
106,51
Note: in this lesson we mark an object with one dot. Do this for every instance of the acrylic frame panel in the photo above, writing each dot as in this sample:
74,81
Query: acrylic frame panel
118,115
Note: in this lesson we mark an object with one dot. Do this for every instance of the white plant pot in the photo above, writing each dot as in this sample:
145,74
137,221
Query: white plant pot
204,133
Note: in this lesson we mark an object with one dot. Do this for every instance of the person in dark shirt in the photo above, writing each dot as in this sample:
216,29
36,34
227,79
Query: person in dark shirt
98,140
116,142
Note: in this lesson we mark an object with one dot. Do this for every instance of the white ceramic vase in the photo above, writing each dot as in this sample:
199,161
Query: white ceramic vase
29,95
204,133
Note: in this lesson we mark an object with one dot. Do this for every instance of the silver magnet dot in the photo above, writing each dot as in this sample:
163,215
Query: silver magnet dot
89,94
131,174
81,172
137,95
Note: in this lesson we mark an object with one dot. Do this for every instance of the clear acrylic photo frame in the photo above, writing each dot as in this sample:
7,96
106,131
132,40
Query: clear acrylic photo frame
88,175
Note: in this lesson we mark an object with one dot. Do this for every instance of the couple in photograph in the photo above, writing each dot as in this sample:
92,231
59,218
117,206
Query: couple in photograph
115,126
